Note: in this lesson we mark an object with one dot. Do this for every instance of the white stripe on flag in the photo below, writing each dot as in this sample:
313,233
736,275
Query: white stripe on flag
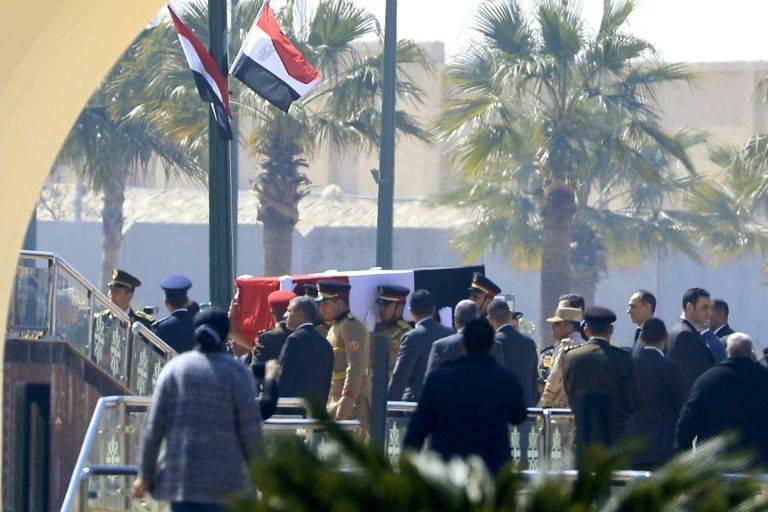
196,65
260,49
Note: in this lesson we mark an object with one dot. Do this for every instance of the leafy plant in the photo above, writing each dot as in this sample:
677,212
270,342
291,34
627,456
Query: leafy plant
290,477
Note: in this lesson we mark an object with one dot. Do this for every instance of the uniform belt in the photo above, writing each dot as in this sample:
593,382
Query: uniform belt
339,349
339,376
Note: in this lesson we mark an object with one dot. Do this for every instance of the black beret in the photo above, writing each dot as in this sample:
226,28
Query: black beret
599,315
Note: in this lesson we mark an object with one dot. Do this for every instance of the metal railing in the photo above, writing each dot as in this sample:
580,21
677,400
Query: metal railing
106,465
52,301
544,441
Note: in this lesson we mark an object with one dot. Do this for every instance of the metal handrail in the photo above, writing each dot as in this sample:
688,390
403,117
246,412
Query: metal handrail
83,469
58,267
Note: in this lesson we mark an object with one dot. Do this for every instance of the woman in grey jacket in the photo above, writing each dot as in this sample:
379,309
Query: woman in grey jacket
204,407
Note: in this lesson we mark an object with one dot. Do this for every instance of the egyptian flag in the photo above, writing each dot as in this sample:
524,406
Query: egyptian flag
271,66
211,84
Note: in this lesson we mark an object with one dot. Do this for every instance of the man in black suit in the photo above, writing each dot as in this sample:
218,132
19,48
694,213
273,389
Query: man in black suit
450,348
413,353
641,307
686,346
306,358
719,321
468,404
176,329
664,392
519,350
730,397
598,376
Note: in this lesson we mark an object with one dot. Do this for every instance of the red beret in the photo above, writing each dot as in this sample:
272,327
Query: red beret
279,299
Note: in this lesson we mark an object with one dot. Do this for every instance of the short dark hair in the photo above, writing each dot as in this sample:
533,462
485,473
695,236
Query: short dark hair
422,302
721,305
653,330
498,310
692,296
177,302
477,335
306,305
574,300
647,298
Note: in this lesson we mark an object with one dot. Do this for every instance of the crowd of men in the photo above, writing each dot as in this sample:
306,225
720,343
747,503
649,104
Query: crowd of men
671,389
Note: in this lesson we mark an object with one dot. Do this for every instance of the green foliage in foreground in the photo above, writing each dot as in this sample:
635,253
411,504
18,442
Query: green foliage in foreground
292,478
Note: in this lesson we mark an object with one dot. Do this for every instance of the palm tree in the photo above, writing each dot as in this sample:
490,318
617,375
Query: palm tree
343,113
581,104
108,146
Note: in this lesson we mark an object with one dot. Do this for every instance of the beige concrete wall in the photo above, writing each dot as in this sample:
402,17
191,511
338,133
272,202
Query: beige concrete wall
53,53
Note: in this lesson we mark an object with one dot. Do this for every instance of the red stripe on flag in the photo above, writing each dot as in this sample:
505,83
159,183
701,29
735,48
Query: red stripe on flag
293,61
208,62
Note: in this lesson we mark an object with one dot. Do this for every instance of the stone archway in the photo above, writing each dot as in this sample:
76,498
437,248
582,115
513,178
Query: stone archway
52,55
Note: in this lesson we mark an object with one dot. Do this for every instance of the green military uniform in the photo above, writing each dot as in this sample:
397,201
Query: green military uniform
394,326
597,367
394,331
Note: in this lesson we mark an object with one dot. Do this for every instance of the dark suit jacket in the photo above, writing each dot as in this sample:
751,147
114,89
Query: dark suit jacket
728,397
270,343
412,355
664,392
723,331
307,366
176,330
686,348
466,406
520,356
597,367
449,349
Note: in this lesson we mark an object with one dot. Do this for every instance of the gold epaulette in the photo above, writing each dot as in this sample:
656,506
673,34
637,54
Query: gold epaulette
337,376
144,315
404,325
102,313
350,316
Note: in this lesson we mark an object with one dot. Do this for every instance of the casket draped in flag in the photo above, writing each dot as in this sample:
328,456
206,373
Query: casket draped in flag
271,66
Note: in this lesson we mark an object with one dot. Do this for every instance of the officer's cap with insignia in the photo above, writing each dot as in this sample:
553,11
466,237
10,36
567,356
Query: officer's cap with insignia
598,316
332,290
123,278
175,286
392,293
482,284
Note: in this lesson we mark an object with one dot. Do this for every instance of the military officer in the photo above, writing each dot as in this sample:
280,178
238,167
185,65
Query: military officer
176,329
270,342
350,384
310,290
565,332
482,291
390,303
599,372
120,292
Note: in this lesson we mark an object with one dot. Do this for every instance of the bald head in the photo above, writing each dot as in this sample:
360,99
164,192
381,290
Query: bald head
465,311
739,345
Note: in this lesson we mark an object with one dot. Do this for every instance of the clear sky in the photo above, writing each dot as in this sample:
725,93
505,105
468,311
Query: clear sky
682,30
